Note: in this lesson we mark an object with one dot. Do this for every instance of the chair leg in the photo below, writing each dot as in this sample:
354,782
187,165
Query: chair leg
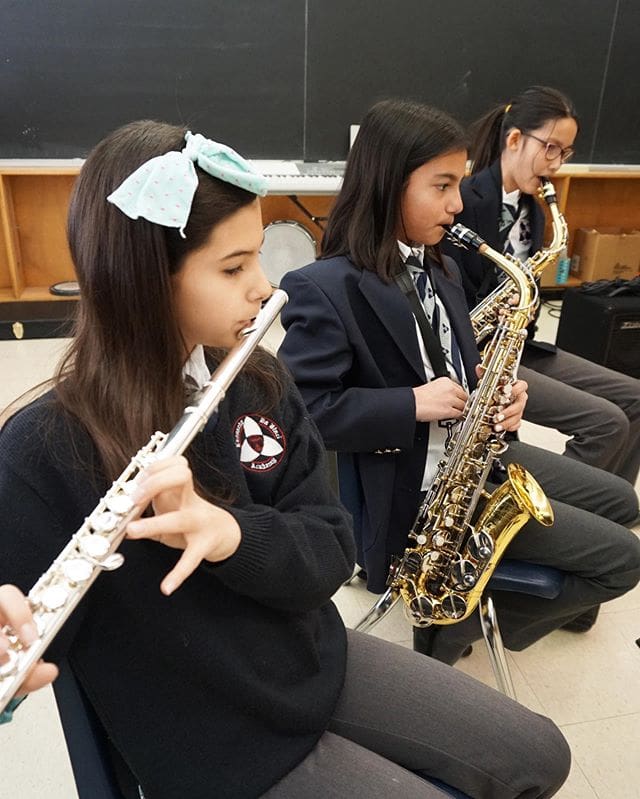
495,647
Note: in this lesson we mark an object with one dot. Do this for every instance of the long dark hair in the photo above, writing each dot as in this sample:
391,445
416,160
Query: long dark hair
395,138
122,376
528,111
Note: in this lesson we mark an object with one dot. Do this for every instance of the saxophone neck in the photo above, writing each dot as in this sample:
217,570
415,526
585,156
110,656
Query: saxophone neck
547,193
465,237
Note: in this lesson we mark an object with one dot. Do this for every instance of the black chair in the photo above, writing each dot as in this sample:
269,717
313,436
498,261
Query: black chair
95,763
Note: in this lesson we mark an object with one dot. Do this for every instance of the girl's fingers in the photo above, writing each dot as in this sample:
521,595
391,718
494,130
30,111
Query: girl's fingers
520,387
175,475
166,463
189,561
15,611
170,523
41,674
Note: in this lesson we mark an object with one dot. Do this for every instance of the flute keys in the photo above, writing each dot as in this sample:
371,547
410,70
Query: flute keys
9,666
77,570
104,522
95,546
114,561
119,503
41,623
54,597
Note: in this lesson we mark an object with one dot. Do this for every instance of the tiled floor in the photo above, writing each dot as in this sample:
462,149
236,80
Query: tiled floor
588,683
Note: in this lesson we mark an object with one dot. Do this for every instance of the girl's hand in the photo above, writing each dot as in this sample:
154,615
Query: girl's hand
442,398
509,416
15,612
182,520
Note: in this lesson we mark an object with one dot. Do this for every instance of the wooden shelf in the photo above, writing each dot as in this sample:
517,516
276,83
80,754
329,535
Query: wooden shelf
34,198
592,197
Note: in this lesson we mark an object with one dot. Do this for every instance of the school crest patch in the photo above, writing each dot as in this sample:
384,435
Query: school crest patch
261,442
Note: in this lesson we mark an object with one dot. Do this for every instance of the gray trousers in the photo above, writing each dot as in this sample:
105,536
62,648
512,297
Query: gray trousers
401,712
598,407
600,556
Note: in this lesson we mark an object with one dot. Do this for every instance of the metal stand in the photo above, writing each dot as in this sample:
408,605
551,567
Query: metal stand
488,622
380,609
495,647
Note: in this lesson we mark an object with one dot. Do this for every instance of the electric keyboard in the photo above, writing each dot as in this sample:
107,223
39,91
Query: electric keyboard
298,177
303,184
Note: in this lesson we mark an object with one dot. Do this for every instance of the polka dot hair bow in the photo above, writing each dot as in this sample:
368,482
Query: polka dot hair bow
162,189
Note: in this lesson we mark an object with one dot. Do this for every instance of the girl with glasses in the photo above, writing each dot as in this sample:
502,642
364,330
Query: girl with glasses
512,147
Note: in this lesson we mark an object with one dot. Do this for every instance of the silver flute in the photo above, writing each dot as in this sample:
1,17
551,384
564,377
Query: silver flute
92,549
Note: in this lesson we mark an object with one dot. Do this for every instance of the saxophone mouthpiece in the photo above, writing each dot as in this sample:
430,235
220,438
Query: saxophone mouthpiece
464,236
547,191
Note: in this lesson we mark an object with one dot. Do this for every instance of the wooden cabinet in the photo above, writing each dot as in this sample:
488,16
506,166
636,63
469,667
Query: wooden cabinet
594,197
34,197
33,250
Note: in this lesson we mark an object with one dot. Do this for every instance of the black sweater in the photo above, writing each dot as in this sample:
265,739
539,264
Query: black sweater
222,688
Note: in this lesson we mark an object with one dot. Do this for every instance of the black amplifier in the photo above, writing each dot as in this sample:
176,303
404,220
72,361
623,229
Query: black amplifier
37,319
603,329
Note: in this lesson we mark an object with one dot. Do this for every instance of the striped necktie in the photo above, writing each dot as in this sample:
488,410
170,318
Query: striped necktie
426,291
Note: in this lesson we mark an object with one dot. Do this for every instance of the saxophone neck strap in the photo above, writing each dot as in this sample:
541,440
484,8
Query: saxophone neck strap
431,341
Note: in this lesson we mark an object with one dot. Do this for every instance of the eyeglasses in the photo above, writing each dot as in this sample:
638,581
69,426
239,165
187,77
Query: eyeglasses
553,151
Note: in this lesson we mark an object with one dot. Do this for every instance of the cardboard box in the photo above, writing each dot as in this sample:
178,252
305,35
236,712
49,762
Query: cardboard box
605,254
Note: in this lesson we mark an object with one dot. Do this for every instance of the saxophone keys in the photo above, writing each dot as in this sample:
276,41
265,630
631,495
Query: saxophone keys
421,607
458,494
428,561
464,574
453,606
411,561
480,546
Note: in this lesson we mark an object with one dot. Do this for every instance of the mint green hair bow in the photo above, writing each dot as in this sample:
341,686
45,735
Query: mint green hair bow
162,189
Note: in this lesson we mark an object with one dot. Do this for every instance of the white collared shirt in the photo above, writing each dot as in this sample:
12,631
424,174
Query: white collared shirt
519,236
196,367
438,431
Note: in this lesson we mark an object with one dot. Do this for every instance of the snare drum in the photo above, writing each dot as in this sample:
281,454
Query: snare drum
287,245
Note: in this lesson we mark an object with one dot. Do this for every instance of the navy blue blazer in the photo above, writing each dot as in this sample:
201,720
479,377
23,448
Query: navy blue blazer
482,199
352,347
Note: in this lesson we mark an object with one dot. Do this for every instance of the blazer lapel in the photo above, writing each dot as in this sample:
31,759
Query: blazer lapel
393,310
487,186
452,297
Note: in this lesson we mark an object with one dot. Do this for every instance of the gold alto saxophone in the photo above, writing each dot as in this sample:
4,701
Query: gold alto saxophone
441,578
92,549
485,314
